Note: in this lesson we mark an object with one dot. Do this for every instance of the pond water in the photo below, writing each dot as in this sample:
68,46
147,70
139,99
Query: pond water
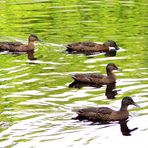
36,104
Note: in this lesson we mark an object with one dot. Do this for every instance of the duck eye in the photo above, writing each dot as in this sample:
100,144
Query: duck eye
130,101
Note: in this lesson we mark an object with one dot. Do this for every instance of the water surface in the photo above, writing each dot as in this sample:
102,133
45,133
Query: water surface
36,104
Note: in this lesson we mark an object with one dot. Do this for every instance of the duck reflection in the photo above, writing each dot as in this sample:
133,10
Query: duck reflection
77,84
123,125
111,53
124,128
110,91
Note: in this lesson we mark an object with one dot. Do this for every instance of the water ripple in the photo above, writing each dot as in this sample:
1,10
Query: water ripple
25,94
36,104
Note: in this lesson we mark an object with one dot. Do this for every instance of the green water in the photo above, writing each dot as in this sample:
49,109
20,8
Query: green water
36,104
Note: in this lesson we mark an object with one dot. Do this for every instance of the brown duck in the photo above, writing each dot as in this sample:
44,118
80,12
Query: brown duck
18,47
90,47
97,78
105,113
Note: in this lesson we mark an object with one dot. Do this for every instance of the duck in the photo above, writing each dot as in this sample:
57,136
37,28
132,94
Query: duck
110,47
97,78
18,47
106,113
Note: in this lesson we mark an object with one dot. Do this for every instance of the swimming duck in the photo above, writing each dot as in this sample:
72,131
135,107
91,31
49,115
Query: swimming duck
18,47
91,47
105,113
97,78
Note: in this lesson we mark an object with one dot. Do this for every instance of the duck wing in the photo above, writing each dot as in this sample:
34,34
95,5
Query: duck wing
89,44
95,113
88,78
86,47
94,47
79,44
9,45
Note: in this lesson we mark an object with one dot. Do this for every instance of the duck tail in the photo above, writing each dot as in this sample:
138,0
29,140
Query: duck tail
2,47
74,76
75,84
68,45
69,48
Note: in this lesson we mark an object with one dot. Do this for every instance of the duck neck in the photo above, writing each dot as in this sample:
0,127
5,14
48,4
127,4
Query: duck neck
109,72
123,107
31,44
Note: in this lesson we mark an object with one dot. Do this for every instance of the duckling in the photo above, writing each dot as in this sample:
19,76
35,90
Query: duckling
110,47
18,47
105,113
97,78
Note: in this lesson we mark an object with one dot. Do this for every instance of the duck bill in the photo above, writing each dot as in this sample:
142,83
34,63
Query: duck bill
37,39
136,105
40,40
117,48
119,69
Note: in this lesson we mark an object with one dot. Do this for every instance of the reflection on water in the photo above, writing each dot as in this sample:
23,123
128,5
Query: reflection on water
123,125
124,128
110,91
36,104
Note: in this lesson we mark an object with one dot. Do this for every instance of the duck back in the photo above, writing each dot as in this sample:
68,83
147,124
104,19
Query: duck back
10,46
86,47
88,78
95,113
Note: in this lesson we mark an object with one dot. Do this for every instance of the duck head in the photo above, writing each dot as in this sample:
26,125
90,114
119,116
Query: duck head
128,101
33,38
111,44
111,67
